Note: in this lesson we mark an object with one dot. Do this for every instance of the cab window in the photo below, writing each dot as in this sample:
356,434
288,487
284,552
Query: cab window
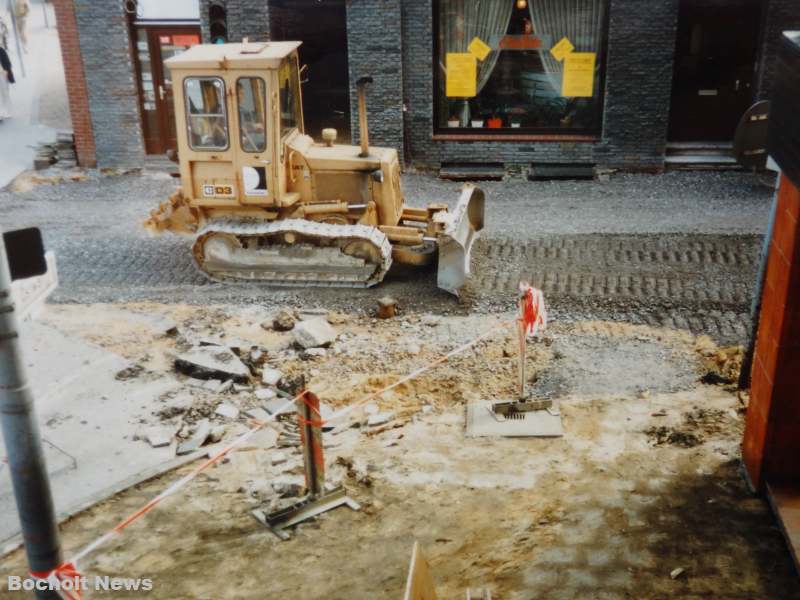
289,83
251,93
205,112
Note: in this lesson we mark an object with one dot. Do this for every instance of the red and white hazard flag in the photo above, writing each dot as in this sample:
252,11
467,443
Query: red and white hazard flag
534,312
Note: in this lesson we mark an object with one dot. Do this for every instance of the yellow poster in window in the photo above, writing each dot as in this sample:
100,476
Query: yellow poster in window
479,48
578,75
462,75
561,49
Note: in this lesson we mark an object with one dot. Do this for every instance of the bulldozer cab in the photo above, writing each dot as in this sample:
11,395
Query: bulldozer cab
241,105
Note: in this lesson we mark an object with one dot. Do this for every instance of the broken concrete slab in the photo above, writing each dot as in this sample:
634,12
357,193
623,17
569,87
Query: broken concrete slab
278,458
217,433
266,394
314,333
271,376
227,410
263,439
212,385
279,406
212,362
176,406
198,438
259,414
158,436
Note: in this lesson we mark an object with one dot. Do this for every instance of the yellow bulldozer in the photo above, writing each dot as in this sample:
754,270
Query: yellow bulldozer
266,203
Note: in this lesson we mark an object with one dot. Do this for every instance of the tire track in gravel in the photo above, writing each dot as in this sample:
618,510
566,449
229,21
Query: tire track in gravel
703,283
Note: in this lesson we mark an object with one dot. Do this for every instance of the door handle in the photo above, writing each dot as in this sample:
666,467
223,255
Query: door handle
161,91
736,88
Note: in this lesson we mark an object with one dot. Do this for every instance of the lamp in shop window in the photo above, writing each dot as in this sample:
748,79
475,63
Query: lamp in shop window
522,4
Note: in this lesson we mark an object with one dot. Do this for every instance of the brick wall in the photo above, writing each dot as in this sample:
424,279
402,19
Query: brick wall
779,16
771,447
637,94
110,79
76,82
641,44
375,48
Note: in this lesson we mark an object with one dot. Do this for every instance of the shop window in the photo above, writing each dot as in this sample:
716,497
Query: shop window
251,93
513,66
206,114
289,82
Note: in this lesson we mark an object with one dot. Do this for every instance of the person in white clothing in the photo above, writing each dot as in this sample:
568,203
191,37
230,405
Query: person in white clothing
6,79
4,31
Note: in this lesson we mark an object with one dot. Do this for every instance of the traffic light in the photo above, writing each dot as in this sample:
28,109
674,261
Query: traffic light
218,23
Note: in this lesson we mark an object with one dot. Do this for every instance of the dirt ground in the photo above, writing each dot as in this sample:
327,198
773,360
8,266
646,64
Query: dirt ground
646,479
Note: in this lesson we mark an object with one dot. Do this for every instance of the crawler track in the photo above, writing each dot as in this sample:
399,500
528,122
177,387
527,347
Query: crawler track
320,254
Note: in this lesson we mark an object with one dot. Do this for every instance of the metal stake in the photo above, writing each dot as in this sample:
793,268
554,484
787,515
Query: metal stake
515,409
317,499
522,346
23,443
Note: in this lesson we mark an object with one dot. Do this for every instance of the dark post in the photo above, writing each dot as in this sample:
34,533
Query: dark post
311,440
23,443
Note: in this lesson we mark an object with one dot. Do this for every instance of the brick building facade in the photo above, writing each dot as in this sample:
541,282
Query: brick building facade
394,42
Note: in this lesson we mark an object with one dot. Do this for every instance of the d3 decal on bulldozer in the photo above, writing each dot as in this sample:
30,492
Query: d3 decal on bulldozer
218,191
267,203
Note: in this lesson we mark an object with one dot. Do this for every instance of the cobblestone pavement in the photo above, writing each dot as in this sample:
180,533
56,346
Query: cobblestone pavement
679,250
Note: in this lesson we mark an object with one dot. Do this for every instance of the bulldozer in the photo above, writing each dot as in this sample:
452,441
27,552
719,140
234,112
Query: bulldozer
266,203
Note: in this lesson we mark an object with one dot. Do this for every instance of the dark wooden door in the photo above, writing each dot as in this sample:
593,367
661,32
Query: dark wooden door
158,107
713,76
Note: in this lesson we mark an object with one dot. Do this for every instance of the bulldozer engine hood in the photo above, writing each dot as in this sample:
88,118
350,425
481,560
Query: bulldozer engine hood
340,157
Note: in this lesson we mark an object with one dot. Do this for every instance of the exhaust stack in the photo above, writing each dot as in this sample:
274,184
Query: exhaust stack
361,89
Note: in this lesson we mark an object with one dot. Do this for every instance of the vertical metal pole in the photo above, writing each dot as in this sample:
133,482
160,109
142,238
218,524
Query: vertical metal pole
311,440
522,346
23,443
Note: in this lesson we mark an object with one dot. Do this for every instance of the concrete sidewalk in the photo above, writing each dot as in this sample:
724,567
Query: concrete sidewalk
87,419
41,86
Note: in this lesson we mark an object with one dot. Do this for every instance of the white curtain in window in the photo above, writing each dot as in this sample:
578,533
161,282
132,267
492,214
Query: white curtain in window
461,21
578,20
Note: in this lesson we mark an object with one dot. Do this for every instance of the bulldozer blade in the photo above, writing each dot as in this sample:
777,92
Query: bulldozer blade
461,227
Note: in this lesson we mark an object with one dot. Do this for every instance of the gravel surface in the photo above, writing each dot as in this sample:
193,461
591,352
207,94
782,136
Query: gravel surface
679,249
674,202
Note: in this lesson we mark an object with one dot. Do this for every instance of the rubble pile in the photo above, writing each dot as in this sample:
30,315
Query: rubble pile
61,152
